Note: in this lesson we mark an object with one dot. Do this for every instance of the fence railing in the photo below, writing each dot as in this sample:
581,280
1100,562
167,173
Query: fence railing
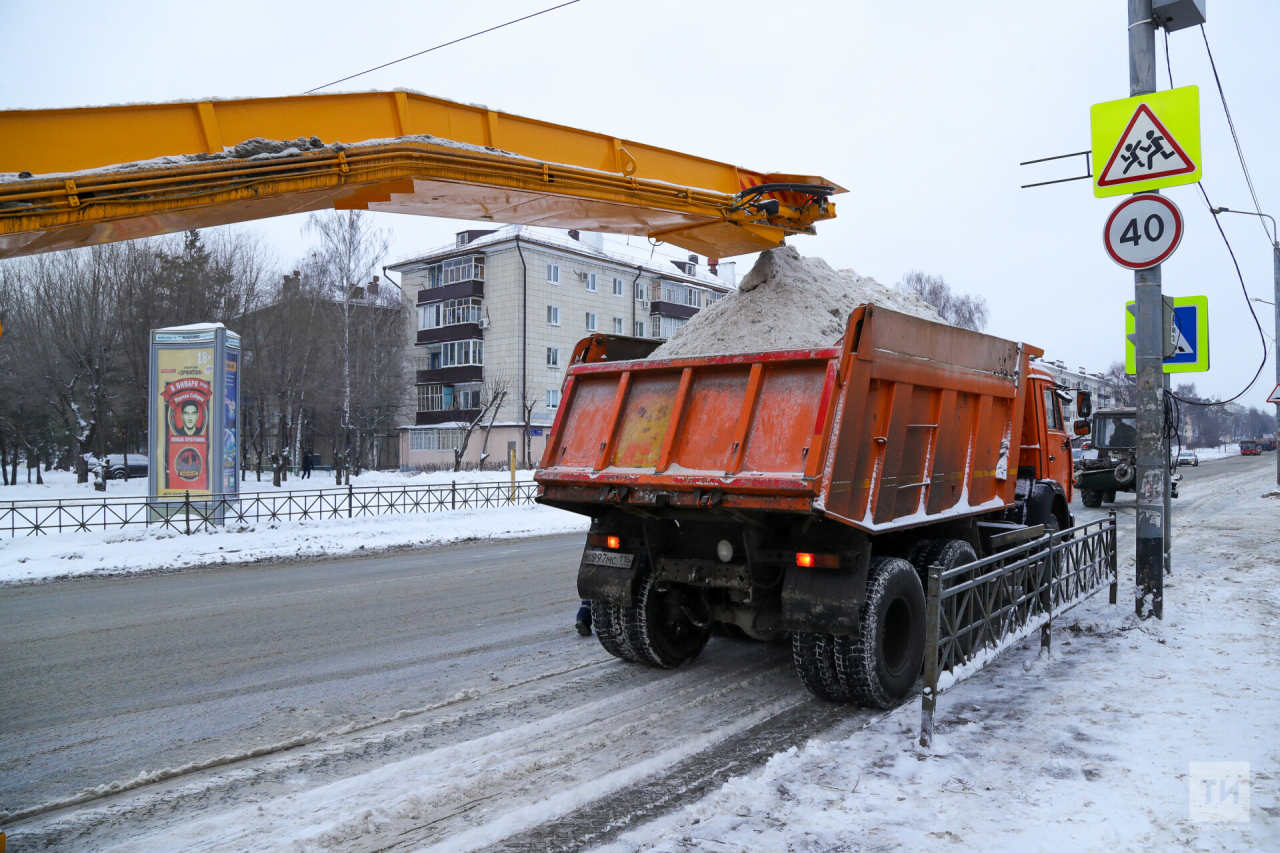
975,611
192,514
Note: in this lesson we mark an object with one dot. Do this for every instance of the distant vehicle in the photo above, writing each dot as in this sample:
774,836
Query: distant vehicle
115,466
1188,457
1076,454
1250,448
1267,443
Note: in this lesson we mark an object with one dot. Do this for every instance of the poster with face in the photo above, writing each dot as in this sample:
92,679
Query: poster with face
184,397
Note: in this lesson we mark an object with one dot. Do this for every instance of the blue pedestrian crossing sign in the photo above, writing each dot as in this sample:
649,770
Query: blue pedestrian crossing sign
1186,334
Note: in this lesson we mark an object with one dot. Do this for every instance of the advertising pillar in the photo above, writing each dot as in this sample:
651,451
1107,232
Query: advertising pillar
193,406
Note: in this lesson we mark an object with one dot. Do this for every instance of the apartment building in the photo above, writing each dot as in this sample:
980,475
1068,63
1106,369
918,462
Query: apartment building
498,313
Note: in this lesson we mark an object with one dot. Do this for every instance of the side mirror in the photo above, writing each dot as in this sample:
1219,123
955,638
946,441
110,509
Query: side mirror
1084,405
1081,427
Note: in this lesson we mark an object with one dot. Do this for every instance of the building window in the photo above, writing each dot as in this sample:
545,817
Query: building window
591,321
450,312
454,354
429,398
553,398
445,398
435,439
591,282
681,294
642,291
639,328
553,357
617,325
665,327
553,315
455,270
617,287
553,273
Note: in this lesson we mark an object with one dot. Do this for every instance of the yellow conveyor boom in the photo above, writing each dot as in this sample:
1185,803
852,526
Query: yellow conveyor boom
80,177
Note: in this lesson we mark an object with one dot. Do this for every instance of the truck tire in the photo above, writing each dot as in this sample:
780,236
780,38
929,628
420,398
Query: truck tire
659,628
608,625
1091,498
815,661
879,666
1110,496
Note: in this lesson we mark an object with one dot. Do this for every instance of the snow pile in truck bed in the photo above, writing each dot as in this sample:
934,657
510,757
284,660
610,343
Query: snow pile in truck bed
786,302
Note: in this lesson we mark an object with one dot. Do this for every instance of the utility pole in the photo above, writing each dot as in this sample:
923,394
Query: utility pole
1153,463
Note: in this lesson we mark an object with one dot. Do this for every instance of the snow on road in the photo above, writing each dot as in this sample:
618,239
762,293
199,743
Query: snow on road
1086,750
141,549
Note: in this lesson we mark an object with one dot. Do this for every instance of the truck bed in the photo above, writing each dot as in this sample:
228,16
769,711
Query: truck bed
905,423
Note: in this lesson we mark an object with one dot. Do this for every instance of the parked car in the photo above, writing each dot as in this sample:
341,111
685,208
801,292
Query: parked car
115,466
1188,457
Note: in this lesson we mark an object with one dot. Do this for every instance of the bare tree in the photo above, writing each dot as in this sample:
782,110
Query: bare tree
349,251
967,311
1125,388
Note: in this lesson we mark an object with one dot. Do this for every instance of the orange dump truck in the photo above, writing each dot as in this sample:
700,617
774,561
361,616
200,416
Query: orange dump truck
802,491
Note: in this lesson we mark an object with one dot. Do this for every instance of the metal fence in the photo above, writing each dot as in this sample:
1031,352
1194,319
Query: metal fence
975,611
193,514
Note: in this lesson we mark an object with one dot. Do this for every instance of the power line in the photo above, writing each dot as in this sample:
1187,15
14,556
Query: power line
437,47
1261,335
1248,179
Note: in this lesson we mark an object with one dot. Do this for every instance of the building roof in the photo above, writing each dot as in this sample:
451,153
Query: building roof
653,263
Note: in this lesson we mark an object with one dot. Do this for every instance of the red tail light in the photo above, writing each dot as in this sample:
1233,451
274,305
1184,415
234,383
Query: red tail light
820,561
614,542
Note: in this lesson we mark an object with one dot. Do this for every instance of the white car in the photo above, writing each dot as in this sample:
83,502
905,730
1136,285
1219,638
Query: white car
1188,457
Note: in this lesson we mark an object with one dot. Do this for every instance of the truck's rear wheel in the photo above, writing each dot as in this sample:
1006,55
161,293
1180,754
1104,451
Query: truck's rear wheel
880,665
815,660
1091,498
608,625
661,627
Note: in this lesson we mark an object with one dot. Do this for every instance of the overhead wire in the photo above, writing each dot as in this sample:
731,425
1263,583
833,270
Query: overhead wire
439,46
1240,275
1248,178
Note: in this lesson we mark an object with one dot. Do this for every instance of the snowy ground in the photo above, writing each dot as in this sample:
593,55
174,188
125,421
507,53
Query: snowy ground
135,549
1087,749
62,485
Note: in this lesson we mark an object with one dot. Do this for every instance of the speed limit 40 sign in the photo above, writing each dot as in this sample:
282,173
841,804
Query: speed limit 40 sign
1143,231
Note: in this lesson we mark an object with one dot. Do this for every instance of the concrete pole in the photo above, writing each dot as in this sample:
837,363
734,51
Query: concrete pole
1153,470
1275,277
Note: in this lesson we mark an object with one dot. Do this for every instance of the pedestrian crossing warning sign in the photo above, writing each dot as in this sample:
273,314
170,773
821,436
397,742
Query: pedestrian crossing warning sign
1275,395
1185,333
1147,142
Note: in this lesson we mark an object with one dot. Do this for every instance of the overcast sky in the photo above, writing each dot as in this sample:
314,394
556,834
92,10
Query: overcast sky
921,109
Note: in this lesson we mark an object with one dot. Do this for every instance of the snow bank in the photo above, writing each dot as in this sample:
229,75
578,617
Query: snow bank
786,302
130,550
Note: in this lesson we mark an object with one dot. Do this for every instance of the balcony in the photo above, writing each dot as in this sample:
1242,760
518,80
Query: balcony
457,290
458,332
451,375
446,416
672,309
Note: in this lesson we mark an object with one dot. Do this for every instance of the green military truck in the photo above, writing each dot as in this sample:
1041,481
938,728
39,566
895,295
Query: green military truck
1110,463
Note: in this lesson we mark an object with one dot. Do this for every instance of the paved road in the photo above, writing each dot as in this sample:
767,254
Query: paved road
106,678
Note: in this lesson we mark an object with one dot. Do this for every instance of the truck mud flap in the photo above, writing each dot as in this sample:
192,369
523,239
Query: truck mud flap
826,601
607,583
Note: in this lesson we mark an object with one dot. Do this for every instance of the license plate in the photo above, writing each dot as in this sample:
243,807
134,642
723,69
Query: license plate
606,558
